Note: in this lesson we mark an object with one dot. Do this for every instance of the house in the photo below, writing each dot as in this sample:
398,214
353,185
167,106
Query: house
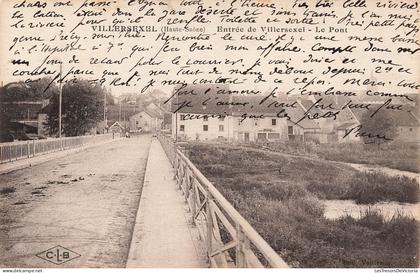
408,125
274,125
343,129
116,127
328,126
146,121
26,118
156,108
197,114
209,112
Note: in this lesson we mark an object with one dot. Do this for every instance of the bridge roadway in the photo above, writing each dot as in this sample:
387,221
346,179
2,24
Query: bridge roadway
115,204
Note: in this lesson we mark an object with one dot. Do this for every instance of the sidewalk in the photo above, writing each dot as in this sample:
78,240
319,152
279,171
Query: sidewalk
163,234
32,161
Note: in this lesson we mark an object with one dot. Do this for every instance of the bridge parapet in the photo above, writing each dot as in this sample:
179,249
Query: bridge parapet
12,151
230,240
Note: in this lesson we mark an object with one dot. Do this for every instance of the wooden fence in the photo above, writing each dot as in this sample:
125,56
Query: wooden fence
230,240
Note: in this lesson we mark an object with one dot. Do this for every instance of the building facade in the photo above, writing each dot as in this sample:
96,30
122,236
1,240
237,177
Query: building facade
215,113
145,121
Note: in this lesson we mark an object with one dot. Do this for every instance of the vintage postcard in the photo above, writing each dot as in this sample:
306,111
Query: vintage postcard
209,134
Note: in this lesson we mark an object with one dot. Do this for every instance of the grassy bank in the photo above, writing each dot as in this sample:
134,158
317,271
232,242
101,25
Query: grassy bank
244,169
279,196
400,156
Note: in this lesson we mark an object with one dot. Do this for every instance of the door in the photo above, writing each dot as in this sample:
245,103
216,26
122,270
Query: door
246,137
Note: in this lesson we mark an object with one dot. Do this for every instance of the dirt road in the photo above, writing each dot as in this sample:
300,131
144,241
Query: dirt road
85,202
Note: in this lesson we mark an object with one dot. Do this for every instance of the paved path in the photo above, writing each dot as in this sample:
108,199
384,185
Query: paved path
163,235
86,202
32,161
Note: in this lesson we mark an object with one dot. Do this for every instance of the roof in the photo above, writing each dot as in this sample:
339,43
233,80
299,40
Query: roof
269,107
116,124
297,113
307,104
336,102
156,109
201,99
150,112
153,113
213,99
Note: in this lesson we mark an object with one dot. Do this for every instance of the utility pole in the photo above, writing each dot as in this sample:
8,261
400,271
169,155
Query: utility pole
176,118
105,122
119,116
59,106
105,105
125,125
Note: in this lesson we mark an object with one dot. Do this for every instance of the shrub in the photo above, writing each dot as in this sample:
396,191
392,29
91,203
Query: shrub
401,156
372,187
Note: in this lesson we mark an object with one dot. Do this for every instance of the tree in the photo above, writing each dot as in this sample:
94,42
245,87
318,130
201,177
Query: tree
14,93
82,108
379,127
28,91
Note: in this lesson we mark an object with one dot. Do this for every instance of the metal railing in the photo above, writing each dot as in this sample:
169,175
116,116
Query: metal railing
230,240
11,151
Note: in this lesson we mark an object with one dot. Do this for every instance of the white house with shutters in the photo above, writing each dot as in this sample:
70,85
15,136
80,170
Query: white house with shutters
213,112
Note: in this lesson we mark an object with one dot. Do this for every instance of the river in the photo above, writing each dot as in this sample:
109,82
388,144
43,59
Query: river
334,209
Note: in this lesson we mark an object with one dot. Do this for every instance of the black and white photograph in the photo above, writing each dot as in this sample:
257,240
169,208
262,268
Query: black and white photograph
173,134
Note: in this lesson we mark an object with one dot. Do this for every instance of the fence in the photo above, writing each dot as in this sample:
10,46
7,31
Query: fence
11,151
230,240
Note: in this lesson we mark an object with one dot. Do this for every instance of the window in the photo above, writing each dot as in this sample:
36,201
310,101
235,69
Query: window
182,128
256,122
239,122
411,129
273,135
290,130
137,122
262,136
205,128
274,122
182,117
221,128
206,118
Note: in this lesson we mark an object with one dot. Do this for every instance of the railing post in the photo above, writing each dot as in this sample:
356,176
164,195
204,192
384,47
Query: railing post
176,169
194,202
174,151
187,185
181,174
241,247
209,225
29,149
34,148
